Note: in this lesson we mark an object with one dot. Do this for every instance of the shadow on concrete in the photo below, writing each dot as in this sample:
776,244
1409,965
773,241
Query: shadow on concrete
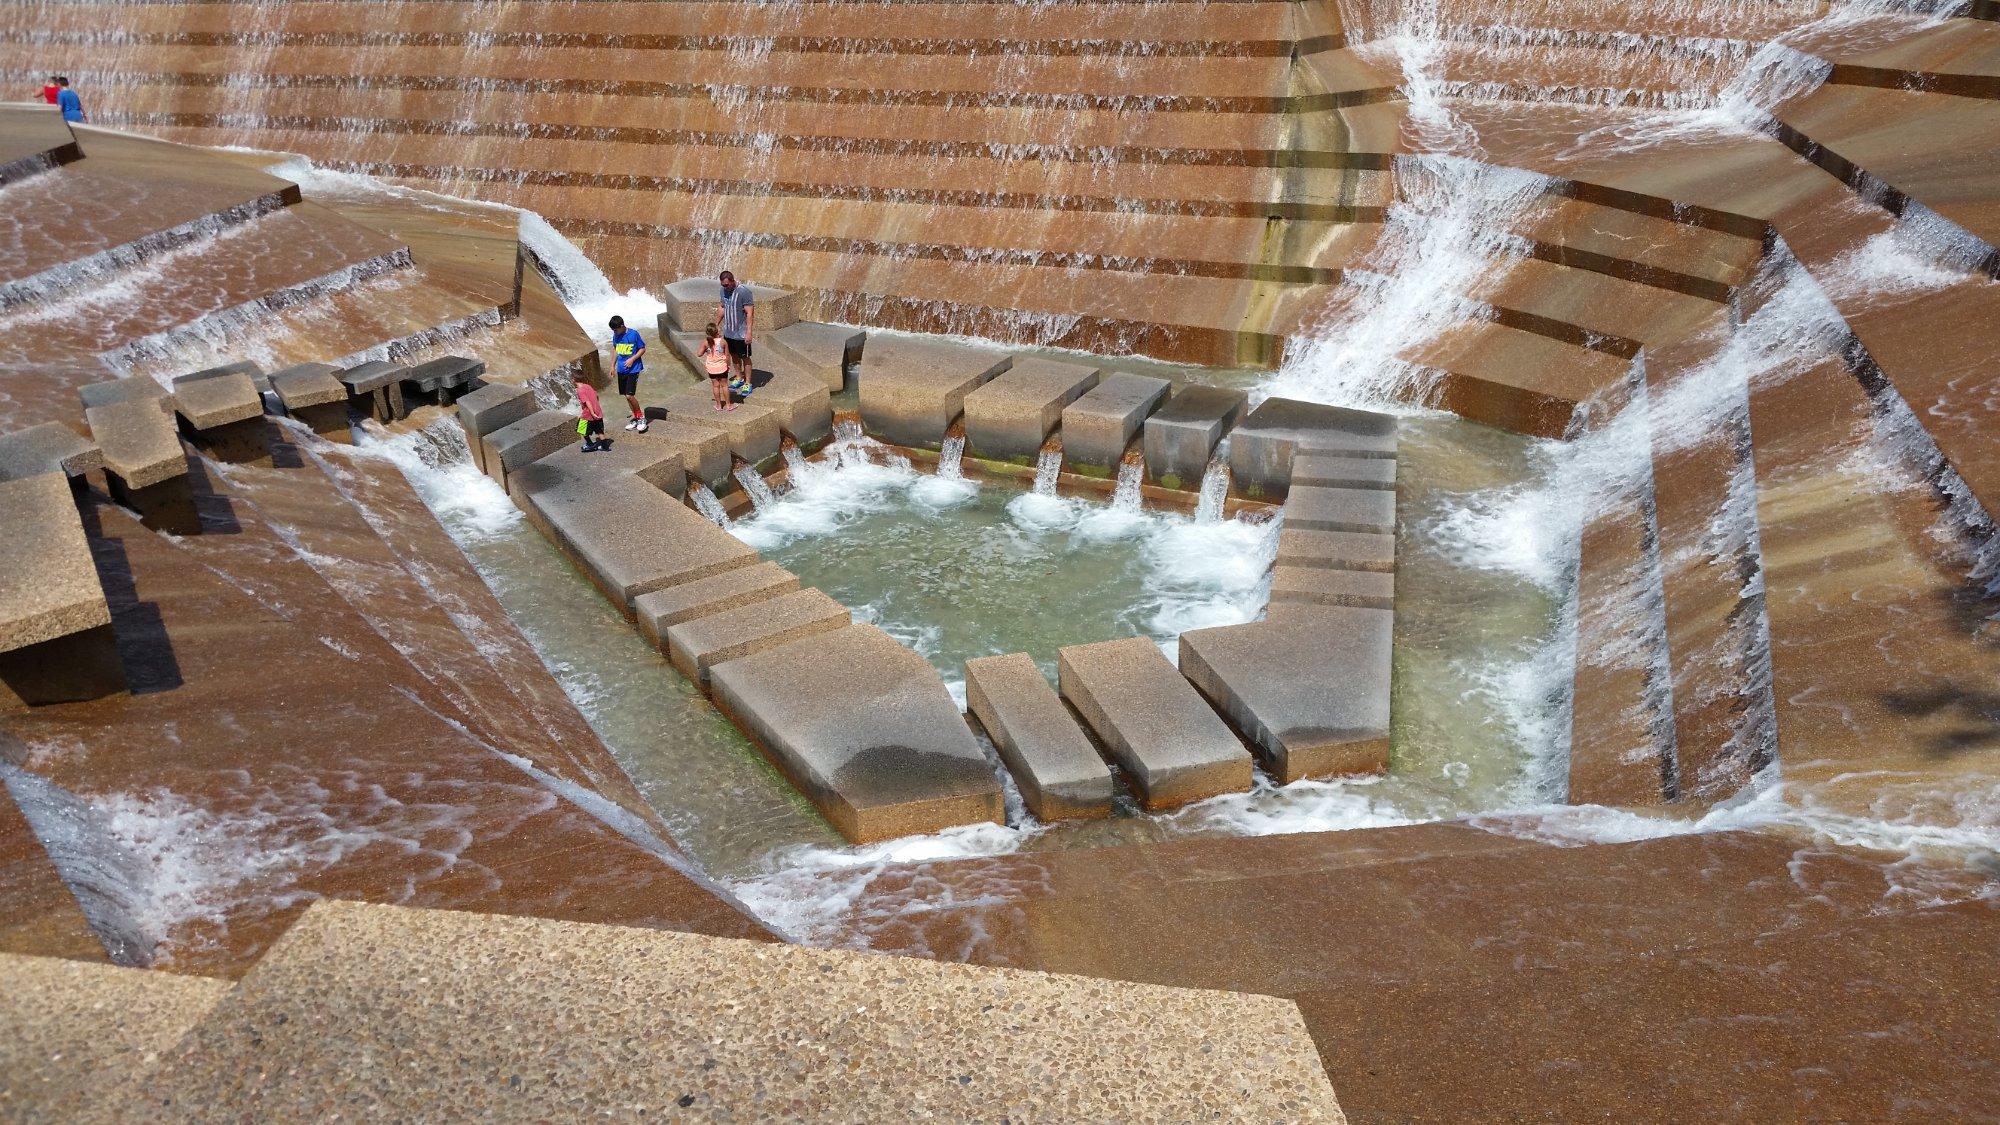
144,648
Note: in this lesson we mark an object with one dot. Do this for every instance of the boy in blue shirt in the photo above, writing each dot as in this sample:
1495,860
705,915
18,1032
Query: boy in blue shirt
67,101
628,360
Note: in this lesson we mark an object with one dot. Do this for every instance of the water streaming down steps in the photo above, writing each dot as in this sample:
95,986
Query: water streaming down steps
1048,466
951,455
705,501
1126,495
1214,490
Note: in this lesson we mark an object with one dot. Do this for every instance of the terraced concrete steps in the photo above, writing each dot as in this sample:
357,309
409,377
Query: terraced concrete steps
1059,771
1171,746
34,140
698,644
913,389
1010,416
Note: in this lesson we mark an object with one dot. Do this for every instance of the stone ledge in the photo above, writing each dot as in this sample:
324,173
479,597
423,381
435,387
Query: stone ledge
1097,428
824,351
308,384
1341,550
141,446
1363,510
1317,585
1061,775
48,583
48,448
1262,445
1009,417
1180,437
120,390
697,644
690,600
1170,744
913,388
517,445
631,538
691,303
753,428
490,408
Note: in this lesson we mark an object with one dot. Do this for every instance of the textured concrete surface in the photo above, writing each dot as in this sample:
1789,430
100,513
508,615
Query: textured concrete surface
1309,685
1320,585
656,461
210,401
700,643
703,596
631,538
865,728
120,390
691,304
395,1012
1340,470
1060,774
801,401
753,427
824,351
246,368
308,384
75,1035
487,409
1318,508
1342,550
517,445
1010,417
913,388
39,916
1170,744
1099,426
373,375
141,445
48,584
48,448
1262,445
702,444
443,374
1180,437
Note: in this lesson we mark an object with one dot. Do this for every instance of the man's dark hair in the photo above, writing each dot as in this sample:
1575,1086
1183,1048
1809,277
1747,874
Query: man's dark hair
618,324
61,81
727,276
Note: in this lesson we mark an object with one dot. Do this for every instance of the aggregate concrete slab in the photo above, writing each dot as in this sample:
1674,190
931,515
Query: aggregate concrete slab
141,445
519,444
48,448
1060,773
1318,508
824,351
691,304
1342,550
454,1015
803,404
1318,585
718,592
373,375
247,368
699,643
120,390
1010,417
864,728
753,427
1309,685
914,388
487,409
48,583
209,401
1341,470
1180,437
703,445
631,538
1098,427
444,374
308,384
657,461
1262,445
1171,745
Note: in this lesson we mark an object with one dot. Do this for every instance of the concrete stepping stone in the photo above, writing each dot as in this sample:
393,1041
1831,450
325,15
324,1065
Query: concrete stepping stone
56,640
697,644
803,404
223,411
254,372
443,378
120,390
1316,585
691,304
1170,743
1342,550
48,448
703,446
913,388
754,427
864,728
313,394
1060,773
403,1010
1098,427
1010,417
487,409
1309,685
1262,445
517,445
703,596
145,466
824,351
631,538
656,461
1340,470
376,389
1316,508
1180,437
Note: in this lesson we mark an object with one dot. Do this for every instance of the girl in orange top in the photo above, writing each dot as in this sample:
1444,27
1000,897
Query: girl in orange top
715,360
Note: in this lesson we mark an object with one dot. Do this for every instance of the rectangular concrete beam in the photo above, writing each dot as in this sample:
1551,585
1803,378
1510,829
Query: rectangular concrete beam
519,444
656,461
691,304
1309,685
1317,585
703,445
631,538
865,729
1342,550
246,368
120,390
1010,417
1316,508
1171,745
489,408
803,404
1098,427
913,388
1262,445
754,428
208,401
1341,470
315,397
659,610
48,583
1061,775
444,376
376,388
141,445
1181,437
824,351
48,448
699,643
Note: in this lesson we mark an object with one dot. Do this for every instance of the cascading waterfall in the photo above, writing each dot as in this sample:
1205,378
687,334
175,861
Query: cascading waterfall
754,486
1126,496
795,458
1048,466
951,457
1214,495
706,502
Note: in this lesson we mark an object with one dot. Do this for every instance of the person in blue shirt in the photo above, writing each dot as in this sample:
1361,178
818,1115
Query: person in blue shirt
67,101
628,359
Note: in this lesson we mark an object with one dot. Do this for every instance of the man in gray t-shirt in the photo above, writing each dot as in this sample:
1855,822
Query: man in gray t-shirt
735,315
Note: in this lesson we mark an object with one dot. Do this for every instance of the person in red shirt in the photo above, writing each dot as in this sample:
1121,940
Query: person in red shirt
51,91
593,416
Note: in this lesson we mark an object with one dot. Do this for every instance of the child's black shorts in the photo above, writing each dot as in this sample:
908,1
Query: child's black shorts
628,383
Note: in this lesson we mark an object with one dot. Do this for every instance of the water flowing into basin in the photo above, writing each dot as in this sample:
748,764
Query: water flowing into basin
1048,466
755,487
1214,491
705,501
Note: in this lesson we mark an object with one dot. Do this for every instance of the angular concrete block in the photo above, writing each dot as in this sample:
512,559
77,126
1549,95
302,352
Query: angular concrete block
69,669
308,384
48,448
1318,585
520,444
803,404
140,442
702,444
656,461
120,390
691,304
1340,470
1061,775
913,388
697,644
245,368
1171,745
1342,550
376,388
690,600
824,351
443,378
1316,508
1181,436
48,583
865,729
1098,427
489,408
753,427
1262,445
631,538
1010,417
1309,685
